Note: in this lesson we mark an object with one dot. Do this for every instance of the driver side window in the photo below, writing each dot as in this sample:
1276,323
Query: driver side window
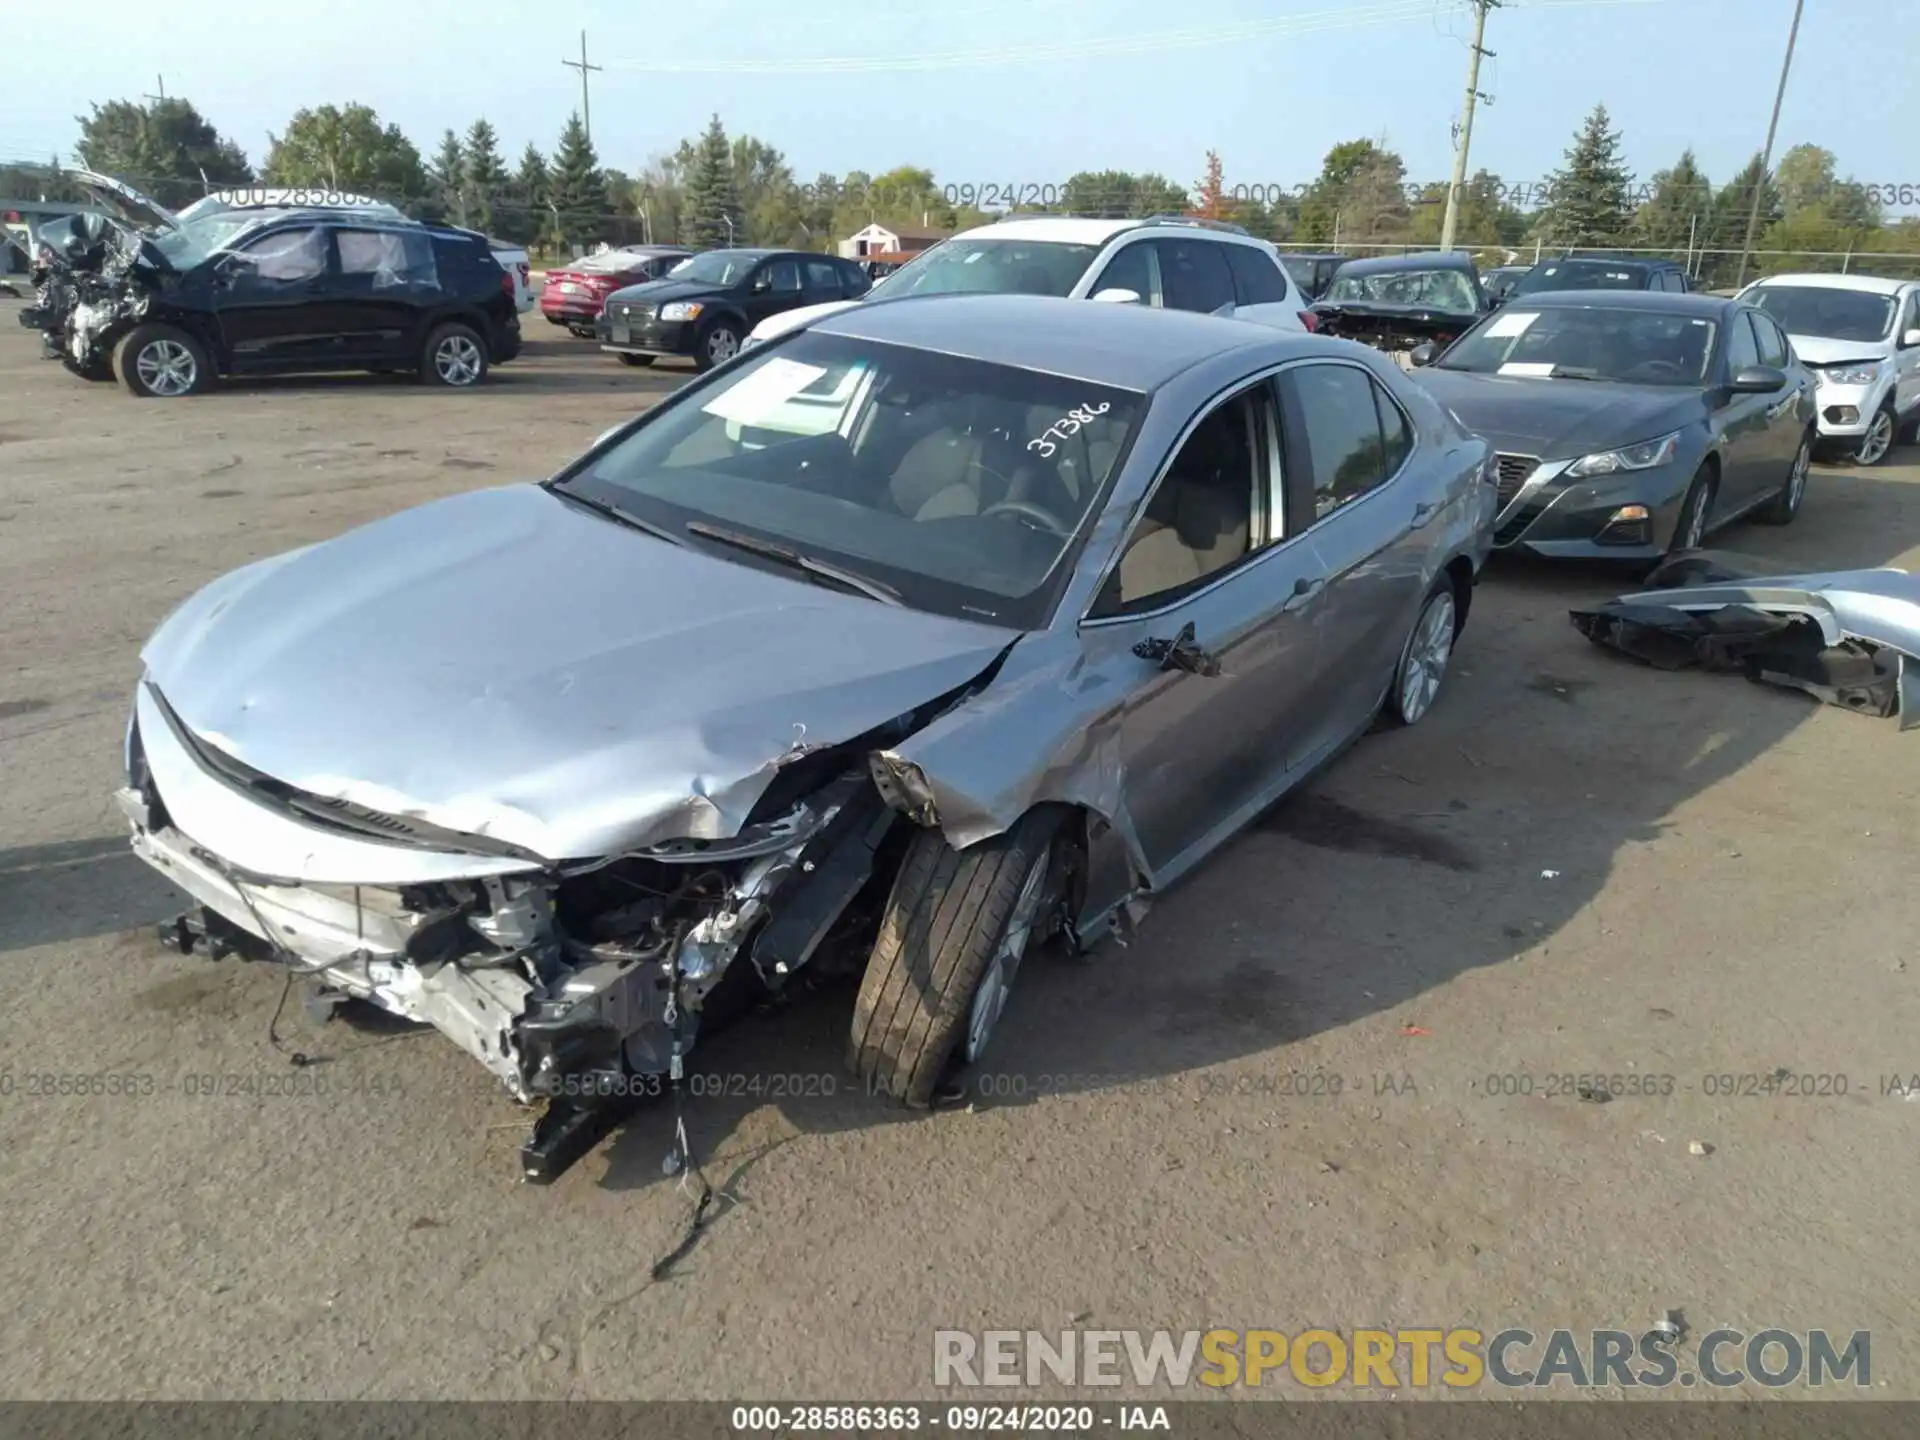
287,256
1207,513
1742,351
778,277
1132,269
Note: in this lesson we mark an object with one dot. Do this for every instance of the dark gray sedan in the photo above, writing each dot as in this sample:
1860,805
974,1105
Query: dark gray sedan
1630,423
900,642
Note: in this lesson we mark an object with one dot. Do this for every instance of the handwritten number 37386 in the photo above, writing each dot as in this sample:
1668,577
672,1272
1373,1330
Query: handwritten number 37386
1068,424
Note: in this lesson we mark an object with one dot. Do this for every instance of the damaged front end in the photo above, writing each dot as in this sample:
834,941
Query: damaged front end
1849,638
1398,330
93,281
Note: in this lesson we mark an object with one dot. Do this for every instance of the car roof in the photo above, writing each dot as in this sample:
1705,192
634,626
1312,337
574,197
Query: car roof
1873,284
1421,260
1131,347
1667,301
1067,230
1630,262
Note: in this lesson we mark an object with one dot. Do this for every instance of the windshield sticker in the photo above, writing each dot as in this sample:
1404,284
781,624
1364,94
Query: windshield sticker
1519,367
1067,425
766,389
1514,322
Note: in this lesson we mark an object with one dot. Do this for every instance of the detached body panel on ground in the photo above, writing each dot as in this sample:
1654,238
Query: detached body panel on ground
1013,608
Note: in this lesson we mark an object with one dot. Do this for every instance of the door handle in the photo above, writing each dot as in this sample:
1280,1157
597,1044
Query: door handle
1303,591
1422,513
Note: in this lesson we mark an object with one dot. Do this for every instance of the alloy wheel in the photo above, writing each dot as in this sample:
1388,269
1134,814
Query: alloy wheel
722,345
1878,440
457,360
1693,525
990,999
1428,650
166,367
1797,478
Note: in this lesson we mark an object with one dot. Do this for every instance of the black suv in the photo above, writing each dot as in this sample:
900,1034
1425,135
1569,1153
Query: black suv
1312,273
1602,272
708,305
166,311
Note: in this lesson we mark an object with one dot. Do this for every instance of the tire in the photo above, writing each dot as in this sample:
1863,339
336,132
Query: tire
719,342
1883,433
946,926
1696,512
160,362
454,357
1785,505
581,332
626,359
1423,659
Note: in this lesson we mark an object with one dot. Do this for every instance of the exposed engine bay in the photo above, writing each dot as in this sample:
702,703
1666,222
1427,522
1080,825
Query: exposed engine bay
93,281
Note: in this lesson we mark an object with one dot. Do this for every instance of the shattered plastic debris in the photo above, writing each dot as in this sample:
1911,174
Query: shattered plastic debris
1415,1030
1699,1147
1549,874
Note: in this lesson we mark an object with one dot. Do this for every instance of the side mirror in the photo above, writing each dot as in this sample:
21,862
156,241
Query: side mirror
1118,296
1425,353
1758,380
1910,340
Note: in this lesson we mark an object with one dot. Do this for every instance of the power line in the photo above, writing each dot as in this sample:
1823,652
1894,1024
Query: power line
586,110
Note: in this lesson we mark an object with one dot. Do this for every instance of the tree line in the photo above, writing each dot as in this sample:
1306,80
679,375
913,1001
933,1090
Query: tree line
715,189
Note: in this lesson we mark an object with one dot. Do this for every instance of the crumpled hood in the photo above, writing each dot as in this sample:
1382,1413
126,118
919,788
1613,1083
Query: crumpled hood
503,663
1819,350
1559,419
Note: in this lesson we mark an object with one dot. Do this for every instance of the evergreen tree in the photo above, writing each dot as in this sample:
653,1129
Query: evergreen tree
446,173
1590,203
713,213
577,188
1680,196
483,175
1727,227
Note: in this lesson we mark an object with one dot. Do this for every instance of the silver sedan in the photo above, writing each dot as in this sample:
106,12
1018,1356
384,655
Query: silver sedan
896,645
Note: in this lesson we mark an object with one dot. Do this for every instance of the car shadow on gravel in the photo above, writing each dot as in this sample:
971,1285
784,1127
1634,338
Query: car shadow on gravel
77,889
1419,855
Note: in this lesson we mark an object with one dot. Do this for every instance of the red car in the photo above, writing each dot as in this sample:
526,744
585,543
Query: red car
575,293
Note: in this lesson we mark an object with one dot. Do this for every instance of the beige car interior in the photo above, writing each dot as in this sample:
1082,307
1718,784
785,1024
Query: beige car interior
1199,520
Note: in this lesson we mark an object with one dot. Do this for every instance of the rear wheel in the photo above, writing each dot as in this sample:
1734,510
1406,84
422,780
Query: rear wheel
626,359
162,363
956,927
1424,658
454,356
1877,444
1785,505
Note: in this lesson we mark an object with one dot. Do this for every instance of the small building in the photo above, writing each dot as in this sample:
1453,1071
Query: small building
877,240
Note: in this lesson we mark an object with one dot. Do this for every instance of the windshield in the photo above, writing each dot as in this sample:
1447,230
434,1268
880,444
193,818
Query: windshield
1635,347
1439,289
1828,314
1581,275
716,267
957,483
201,236
988,266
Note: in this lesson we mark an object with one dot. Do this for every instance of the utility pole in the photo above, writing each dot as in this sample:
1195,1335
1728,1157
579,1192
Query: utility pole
1766,157
161,81
1465,138
586,112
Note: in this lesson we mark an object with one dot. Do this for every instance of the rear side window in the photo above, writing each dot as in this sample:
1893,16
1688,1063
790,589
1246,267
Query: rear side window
1773,345
1194,275
1256,279
392,259
1350,452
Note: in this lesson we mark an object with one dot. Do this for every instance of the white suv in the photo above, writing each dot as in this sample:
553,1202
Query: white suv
1169,262
1860,336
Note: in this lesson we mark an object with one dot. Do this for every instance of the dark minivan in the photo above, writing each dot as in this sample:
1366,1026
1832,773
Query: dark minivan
707,305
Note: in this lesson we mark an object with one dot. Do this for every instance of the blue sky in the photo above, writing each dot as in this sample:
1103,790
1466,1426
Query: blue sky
1054,97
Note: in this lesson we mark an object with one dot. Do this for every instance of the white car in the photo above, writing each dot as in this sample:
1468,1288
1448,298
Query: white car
1860,336
1169,262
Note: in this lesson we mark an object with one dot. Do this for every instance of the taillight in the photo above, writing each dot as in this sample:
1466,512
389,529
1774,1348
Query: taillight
506,285
1311,321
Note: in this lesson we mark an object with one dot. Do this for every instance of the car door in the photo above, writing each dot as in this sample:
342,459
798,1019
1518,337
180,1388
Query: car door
1194,274
1745,423
272,301
1351,457
1784,423
819,282
1906,358
383,282
1211,558
1260,288
773,287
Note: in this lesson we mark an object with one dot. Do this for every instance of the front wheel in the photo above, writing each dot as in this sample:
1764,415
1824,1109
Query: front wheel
1785,505
162,363
956,927
1690,531
1424,658
454,356
1877,444
719,343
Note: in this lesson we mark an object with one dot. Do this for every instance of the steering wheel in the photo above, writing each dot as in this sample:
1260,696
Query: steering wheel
1659,369
1027,510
